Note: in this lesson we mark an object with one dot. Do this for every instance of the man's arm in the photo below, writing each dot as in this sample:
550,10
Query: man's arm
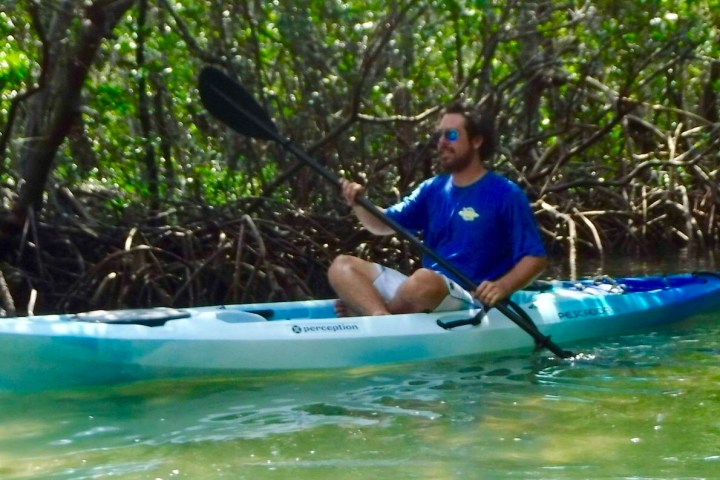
350,191
524,272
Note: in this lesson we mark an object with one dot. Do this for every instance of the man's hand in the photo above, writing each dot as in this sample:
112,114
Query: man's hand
350,191
490,293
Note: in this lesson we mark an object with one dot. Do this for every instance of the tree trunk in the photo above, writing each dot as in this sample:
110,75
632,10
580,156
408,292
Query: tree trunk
709,105
52,110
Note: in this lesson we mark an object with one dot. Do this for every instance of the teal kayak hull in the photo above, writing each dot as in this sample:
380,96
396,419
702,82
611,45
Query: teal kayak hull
102,347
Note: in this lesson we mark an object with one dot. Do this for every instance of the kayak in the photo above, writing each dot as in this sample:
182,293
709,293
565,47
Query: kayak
102,347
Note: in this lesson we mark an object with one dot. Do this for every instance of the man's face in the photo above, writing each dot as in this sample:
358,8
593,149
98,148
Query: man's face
454,146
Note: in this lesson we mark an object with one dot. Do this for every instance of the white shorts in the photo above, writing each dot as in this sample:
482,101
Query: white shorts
388,281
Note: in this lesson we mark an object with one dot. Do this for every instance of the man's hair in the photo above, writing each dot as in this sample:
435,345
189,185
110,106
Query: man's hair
477,122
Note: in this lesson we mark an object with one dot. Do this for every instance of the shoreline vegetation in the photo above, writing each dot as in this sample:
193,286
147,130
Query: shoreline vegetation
117,189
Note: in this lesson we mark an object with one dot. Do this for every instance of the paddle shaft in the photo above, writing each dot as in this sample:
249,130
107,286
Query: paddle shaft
268,128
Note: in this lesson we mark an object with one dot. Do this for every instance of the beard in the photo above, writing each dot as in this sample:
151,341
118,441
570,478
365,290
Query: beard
451,162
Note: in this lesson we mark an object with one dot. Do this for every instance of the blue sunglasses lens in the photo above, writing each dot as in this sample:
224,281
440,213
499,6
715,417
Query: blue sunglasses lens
451,134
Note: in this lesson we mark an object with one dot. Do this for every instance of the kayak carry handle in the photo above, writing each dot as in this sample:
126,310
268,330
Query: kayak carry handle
449,325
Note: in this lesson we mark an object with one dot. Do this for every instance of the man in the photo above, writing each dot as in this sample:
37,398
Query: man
475,219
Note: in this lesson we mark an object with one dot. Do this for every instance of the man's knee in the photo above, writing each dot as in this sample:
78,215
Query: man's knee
339,267
341,262
346,266
421,292
427,284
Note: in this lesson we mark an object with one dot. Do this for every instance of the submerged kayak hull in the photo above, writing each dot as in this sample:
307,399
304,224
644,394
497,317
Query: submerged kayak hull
105,347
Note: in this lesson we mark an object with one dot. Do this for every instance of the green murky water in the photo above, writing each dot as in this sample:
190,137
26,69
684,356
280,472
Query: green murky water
641,406
644,406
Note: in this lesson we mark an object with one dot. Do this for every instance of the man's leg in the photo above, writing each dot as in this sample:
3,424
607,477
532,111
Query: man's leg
421,292
352,278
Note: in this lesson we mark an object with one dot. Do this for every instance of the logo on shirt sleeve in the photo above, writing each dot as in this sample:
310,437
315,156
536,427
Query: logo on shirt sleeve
468,214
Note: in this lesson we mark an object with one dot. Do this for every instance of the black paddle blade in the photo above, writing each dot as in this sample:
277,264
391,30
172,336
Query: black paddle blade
230,103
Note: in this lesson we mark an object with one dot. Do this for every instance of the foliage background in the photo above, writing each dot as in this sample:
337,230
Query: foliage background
607,111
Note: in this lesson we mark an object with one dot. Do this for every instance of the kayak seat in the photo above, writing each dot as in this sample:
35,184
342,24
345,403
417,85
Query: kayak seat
149,317
239,316
539,286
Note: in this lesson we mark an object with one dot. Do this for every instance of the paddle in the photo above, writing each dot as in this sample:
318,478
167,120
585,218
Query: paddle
230,103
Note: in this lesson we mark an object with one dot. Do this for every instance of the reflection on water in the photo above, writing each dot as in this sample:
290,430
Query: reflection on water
641,406
679,261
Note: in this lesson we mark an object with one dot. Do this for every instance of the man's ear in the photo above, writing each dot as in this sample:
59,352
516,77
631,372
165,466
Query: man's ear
477,142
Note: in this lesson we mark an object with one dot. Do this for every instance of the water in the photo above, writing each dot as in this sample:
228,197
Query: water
641,406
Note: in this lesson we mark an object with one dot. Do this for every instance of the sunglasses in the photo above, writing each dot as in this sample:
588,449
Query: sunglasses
449,134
